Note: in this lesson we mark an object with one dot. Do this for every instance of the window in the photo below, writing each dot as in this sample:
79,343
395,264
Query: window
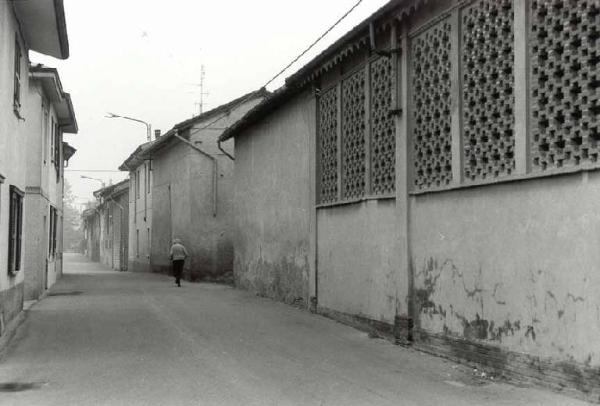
45,132
137,243
356,135
565,84
17,77
15,227
52,138
56,152
52,232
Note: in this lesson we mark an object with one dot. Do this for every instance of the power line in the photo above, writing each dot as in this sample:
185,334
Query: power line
288,65
91,170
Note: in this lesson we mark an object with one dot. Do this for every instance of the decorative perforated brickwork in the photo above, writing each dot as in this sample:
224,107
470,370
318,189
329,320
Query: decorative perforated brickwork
430,121
383,137
328,150
565,83
353,136
487,89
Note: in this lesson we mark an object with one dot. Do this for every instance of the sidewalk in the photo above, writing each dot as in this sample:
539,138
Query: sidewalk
103,337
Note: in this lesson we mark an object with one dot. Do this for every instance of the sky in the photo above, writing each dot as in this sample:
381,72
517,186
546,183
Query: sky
143,59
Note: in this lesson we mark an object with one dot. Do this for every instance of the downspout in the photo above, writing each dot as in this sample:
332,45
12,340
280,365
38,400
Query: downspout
215,169
121,210
223,151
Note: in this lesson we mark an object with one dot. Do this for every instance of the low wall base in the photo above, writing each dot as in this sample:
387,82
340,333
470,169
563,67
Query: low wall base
569,378
11,304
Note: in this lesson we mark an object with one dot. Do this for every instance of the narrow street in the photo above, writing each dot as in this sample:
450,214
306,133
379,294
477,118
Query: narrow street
105,337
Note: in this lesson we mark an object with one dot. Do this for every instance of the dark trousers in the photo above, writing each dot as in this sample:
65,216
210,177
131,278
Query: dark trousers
178,270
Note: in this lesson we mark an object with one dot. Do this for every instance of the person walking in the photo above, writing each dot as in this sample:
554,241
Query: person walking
178,254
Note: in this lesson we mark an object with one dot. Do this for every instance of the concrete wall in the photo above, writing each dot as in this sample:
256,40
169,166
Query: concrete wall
184,200
120,240
140,220
273,204
514,265
184,208
358,259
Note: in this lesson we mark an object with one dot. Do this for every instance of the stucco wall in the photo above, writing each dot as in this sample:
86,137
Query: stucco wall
358,259
514,264
184,208
273,205
140,221
12,154
35,246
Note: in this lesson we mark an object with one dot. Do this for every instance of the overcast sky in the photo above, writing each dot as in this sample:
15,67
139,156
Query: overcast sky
143,58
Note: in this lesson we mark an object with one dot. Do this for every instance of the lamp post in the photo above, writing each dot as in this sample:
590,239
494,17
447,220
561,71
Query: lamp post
148,126
99,180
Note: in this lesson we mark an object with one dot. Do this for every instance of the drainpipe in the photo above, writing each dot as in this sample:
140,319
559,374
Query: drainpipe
215,168
223,151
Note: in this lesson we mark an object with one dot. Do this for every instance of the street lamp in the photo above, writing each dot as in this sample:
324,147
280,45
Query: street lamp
99,180
148,126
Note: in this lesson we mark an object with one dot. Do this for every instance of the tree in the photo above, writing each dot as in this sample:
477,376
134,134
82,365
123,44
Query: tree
72,225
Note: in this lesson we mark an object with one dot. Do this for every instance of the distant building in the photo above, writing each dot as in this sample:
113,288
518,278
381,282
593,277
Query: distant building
34,113
433,175
113,220
140,209
192,192
91,232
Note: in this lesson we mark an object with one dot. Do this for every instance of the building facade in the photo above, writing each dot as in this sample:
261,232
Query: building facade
91,232
24,26
140,209
112,221
445,157
47,154
193,192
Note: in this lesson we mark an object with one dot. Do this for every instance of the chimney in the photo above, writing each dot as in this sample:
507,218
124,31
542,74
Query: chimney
156,134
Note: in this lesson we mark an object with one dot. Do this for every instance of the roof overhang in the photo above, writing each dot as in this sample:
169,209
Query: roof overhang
50,82
352,41
68,151
43,25
111,191
136,158
182,128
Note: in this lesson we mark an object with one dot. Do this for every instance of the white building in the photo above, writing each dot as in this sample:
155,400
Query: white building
140,209
40,26
51,116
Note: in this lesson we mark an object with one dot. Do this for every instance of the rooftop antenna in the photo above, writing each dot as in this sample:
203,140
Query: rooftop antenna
200,104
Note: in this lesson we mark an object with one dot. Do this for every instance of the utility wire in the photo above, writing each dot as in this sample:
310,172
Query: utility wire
342,18
92,170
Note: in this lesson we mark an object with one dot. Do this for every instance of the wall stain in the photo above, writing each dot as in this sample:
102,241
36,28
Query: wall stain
530,332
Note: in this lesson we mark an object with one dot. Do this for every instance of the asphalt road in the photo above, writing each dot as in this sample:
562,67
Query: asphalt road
109,338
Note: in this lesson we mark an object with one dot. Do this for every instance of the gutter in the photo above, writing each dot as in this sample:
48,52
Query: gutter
215,168
63,38
223,151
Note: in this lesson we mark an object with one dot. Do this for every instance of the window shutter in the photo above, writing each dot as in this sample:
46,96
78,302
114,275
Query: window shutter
19,232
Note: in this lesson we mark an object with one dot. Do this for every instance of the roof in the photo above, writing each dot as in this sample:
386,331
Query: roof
184,125
135,159
350,42
61,100
113,190
354,39
44,26
259,111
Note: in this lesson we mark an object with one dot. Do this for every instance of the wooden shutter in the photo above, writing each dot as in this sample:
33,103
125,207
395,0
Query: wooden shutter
15,229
